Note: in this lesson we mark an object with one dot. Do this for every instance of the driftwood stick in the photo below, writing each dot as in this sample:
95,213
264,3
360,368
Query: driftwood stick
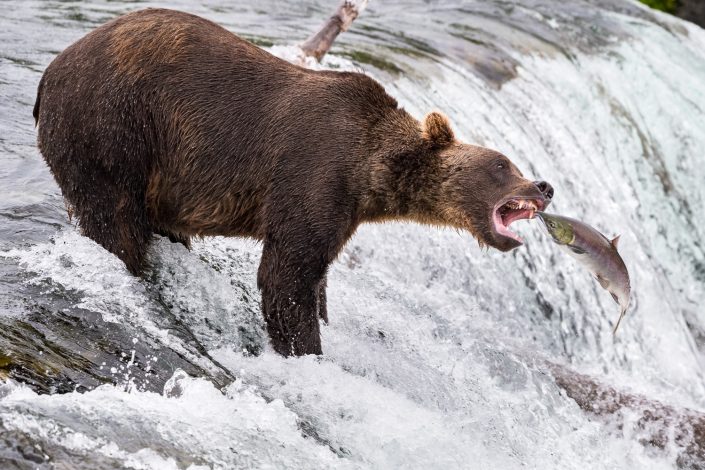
652,422
319,43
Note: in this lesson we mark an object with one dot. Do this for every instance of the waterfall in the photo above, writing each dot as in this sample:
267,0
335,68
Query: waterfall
434,354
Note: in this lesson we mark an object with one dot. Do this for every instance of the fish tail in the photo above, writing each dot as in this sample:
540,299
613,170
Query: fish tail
621,315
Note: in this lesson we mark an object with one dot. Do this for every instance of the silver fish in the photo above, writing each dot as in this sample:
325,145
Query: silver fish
596,252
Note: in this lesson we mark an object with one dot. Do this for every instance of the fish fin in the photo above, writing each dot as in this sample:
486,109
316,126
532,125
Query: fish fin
621,315
614,241
576,250
614,297
603,282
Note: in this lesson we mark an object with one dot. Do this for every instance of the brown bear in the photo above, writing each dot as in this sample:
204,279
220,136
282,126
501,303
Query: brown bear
163,122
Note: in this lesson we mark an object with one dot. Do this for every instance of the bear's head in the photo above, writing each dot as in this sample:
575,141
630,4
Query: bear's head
482,191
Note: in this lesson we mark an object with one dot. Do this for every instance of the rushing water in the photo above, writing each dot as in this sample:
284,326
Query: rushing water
433,356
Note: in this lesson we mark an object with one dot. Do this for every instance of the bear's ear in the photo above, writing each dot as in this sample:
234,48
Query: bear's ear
436,130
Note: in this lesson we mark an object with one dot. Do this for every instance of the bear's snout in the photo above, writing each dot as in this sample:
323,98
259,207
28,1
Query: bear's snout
546,190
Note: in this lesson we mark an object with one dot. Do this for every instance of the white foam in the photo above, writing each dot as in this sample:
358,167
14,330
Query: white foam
200,427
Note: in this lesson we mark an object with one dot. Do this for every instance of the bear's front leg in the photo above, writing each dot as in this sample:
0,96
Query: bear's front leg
290,285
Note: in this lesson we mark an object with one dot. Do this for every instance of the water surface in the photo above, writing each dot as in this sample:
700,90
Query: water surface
434,350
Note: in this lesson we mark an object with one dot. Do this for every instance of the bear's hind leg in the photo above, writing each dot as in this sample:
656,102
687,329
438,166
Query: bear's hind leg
175,238
322,299
119,223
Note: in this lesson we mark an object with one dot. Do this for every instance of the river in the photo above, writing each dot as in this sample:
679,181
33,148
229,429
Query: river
433,355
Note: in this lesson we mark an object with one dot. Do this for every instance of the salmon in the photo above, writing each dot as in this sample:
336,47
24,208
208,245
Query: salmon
594,251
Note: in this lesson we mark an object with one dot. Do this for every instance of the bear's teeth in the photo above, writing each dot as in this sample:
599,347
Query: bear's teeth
531,205
520,204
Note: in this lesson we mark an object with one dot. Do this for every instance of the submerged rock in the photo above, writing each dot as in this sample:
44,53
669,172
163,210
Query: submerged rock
54,346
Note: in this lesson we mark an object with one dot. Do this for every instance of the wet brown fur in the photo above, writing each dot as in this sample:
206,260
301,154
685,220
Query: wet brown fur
163,122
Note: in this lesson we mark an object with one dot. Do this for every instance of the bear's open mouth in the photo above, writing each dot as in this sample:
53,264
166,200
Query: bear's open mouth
511,210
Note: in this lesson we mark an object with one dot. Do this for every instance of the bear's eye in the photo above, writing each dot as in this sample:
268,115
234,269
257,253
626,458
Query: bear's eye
501,165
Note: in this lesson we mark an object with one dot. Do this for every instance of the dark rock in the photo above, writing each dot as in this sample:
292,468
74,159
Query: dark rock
692,10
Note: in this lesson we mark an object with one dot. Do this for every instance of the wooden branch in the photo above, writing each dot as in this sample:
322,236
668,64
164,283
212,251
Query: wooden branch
319,43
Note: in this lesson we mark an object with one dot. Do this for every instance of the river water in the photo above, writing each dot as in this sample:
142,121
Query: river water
432,358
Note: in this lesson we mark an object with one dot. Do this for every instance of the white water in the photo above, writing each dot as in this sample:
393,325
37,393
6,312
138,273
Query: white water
432,356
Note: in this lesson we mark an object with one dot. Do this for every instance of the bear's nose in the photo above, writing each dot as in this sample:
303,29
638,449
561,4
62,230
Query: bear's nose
545,188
